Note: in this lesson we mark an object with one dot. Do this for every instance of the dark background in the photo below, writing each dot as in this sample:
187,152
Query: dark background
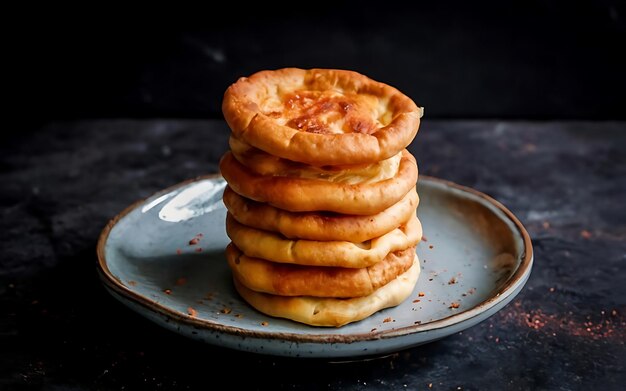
524,101
514,60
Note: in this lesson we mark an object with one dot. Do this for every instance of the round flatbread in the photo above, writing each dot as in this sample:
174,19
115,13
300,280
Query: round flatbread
319,225
321,116
275,247
263,163
305,194
296,280
332,312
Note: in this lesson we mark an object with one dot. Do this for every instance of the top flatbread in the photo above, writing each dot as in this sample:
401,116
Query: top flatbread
321,116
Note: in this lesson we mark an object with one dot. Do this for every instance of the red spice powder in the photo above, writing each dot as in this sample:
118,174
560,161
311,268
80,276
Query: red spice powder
196,239
597,327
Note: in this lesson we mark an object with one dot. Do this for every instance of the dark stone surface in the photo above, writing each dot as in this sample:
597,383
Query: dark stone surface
59,329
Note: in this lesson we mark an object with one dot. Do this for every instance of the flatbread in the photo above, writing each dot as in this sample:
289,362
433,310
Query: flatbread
304,194
321,116
296,280
262,163
332,312
275,247
319,225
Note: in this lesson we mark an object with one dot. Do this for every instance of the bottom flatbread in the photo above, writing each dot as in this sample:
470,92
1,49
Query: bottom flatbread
332,312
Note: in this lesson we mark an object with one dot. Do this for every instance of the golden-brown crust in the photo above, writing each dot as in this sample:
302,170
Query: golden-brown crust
244,110
332,312
263,163
275,247
304,195
319,225
296,280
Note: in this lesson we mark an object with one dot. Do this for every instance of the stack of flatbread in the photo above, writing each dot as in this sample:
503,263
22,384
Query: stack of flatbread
321,194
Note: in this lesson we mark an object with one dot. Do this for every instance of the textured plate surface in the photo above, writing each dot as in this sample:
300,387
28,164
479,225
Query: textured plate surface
163,257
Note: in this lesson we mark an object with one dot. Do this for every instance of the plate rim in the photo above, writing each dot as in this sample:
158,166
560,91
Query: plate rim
518,277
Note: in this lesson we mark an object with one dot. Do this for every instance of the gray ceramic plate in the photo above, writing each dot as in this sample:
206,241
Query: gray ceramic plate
475,254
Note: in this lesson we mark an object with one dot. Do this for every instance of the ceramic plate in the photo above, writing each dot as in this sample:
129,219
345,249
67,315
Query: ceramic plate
163,257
